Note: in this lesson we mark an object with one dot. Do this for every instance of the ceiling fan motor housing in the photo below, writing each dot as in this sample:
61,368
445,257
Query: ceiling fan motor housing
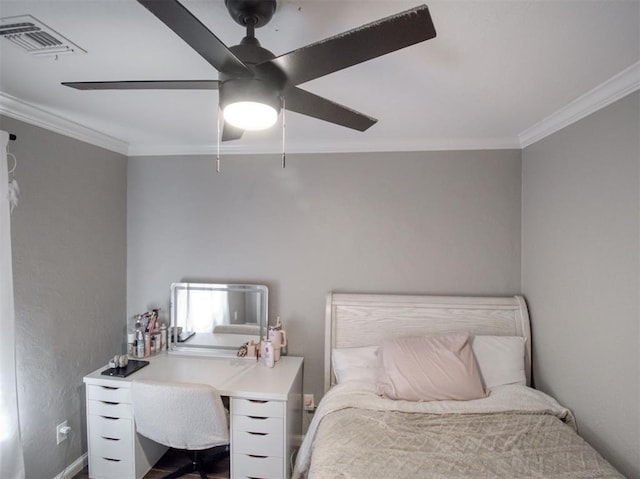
256,13
266,85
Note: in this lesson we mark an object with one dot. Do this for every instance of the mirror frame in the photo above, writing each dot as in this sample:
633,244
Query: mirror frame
176,346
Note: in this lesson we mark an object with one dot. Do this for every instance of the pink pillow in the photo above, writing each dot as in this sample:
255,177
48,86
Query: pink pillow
428,368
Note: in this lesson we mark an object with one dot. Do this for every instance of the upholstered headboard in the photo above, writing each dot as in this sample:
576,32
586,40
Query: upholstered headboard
354,320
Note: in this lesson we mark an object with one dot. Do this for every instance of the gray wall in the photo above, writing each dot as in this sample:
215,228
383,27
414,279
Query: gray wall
69,264
435,222
580,267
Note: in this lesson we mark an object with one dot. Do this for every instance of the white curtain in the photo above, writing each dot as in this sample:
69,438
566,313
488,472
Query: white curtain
11,459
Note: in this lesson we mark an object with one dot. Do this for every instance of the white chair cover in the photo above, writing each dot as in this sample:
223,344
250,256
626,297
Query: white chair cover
180,415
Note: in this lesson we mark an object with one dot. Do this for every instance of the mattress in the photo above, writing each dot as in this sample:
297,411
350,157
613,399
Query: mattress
516,432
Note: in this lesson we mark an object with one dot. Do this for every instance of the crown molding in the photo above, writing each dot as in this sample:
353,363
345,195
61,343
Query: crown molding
34,115
292,147
618,86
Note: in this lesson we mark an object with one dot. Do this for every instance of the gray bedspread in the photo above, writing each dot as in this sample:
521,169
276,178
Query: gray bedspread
367,444
378,440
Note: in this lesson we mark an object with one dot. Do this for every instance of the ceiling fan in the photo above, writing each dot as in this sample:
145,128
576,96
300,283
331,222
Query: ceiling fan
252,78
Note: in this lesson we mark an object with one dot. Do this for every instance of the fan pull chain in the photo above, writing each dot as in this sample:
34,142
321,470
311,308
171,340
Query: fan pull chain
218,142
284,156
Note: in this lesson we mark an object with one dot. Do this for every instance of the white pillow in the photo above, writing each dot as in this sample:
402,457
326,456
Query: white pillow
355,364
500,359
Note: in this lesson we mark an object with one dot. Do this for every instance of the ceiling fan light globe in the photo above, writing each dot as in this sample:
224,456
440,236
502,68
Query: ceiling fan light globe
250,115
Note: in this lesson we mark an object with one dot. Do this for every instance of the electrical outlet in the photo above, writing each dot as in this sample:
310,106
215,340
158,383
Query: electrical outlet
309,403
62,431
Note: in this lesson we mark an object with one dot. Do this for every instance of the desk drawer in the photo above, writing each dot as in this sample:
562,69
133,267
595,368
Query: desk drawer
108,393
106,468
258,424
245,466
258,444
110,409
113,428
253,407
120,449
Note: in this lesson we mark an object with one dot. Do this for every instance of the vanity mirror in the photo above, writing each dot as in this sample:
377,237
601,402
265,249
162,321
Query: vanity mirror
218,318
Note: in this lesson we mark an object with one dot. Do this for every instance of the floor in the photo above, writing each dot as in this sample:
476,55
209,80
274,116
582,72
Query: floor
171,461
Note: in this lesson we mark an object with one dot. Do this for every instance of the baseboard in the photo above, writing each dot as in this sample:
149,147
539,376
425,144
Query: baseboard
74,468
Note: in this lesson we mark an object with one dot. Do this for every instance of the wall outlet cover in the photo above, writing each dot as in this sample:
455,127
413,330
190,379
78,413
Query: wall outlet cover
309,403
62,431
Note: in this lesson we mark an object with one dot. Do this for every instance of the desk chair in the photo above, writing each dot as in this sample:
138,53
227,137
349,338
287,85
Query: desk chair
182,416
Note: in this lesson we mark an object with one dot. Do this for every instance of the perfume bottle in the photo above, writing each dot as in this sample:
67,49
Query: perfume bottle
139,338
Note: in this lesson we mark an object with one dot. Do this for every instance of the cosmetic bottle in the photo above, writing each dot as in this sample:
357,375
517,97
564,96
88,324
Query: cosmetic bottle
139,339
267,354
131,344
147,344
163,337
251,349
131,336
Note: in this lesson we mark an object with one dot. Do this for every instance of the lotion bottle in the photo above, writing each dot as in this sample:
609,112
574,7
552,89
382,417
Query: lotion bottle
267,355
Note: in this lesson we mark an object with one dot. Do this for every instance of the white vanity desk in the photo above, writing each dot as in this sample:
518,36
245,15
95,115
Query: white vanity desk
265,414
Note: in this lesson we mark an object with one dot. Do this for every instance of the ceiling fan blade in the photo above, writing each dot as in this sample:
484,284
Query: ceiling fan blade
146,85
356,46
230,132
173,14
301,101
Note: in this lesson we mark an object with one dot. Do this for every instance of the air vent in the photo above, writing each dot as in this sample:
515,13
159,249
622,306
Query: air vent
35,37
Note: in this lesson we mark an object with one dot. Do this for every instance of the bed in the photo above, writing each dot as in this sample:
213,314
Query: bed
513,432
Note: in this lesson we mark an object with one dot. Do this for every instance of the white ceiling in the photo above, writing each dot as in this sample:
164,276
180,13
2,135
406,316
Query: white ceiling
496,76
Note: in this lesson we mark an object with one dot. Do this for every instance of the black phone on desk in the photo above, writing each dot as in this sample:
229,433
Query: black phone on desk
132,366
